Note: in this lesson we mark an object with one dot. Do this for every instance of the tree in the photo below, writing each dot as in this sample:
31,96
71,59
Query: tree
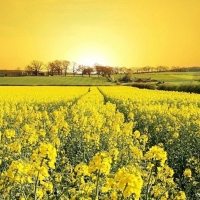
88,70
74,64
104,70
48,68
65,65
162,68
148,68
99,69
81,69
138,70
58,66
116,70
127,77
152,69
52,68
108,71
35,67
123,70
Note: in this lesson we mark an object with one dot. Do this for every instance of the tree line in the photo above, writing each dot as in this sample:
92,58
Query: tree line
61,68
58,66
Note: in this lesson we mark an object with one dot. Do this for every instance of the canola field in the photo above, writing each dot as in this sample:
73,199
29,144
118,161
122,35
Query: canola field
98,143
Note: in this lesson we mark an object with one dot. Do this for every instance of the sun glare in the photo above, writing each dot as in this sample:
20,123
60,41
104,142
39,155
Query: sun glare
89,59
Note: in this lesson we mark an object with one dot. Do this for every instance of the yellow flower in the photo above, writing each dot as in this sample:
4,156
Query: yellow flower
129,181
9,133
100,162
131,116
181,196
108,186
176,135
114,153
136,152
47,185
156,153
42,132
150,165
187,173
81,169
44,171
136,134
58,177
114,195
29,179
39,193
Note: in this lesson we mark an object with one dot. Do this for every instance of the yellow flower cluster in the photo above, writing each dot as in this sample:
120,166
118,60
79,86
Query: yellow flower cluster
156,153
88,143
170,120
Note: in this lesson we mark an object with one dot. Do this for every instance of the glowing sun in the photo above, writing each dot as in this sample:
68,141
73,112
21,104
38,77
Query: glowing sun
90,58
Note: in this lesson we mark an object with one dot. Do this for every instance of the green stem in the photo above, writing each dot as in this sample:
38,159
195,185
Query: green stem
35,187
162,194
23,192
60,195
97,185
36,182
147,190
122,197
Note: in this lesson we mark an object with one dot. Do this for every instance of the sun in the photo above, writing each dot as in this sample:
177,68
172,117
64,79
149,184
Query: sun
90,58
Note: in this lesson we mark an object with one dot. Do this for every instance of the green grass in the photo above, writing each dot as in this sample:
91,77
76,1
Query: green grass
54,80
168,77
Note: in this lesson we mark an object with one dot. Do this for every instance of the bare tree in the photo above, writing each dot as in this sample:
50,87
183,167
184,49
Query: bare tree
65,65
116,70
138,70
162,68
48,68
29,70
74,65
34,67
152,69
81,69
145,69
123,70
58,66
52,68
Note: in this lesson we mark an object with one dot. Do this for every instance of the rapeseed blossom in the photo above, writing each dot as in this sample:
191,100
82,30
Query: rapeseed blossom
156,154
100,163
188,173
98,143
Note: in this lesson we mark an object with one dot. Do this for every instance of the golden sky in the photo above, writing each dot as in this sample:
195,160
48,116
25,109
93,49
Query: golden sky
130,33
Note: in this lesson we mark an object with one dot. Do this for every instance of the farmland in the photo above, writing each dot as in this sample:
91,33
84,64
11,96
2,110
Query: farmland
70,80
98,143
54,80
169,77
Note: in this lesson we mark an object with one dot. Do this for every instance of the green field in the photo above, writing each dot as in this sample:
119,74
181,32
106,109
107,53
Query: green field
54,80
167,77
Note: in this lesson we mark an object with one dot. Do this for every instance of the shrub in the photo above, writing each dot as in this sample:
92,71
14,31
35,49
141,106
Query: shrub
193,88
127,78
144,85
167,86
